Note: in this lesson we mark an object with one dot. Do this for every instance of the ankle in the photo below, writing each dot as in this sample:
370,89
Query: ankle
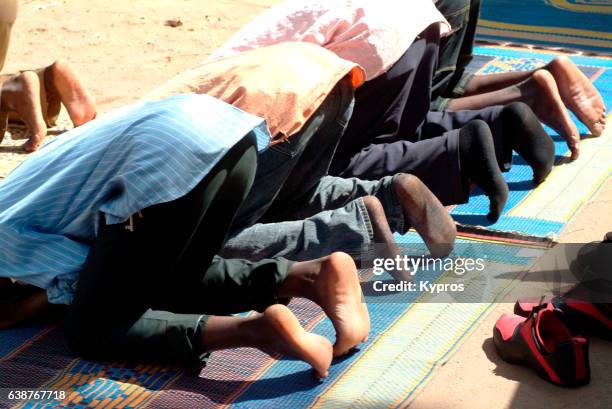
300,281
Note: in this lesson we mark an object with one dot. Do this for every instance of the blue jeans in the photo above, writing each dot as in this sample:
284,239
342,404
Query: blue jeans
332,217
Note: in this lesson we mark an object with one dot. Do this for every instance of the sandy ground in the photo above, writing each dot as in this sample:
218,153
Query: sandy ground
123,49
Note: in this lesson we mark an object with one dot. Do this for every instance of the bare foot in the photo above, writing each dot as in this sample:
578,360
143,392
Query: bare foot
425,213
540,92
21,94
338,292
332,283
281,332
63,85
579,94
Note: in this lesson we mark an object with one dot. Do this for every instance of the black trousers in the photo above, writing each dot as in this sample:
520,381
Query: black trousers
148,284
456,51
288,171
392,129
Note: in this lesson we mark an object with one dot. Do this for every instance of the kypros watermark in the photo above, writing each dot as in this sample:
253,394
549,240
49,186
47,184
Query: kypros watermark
420,287
477,272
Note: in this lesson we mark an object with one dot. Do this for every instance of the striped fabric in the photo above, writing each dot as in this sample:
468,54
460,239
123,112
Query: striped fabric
126,161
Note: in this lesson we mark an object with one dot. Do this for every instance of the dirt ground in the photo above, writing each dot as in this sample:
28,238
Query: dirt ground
123,49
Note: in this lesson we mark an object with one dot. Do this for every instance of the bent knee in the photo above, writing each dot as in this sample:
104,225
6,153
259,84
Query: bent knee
477,127
518,113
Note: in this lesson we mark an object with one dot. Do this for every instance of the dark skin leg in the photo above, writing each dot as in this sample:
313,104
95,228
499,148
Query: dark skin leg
482,84
21,94
575,90
539,92
383,234
64,86
422,210
426,214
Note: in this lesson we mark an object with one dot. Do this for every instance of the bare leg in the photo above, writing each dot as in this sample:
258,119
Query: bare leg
540,92
579,94
21,94
425,213
63,85
482,84
276,331
576,90
332,282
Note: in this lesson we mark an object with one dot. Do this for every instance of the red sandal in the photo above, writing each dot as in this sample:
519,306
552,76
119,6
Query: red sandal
581,317
544,343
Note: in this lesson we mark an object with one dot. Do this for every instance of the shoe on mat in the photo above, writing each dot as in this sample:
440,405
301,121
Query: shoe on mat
581,317
543,343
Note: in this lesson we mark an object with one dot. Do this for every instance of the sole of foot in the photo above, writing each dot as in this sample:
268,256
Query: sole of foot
541,89
579,94
339,294
63,84
26,102
289,338
426,214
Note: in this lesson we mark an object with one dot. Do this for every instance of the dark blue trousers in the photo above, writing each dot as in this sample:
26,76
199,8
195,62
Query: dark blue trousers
392,129
456,51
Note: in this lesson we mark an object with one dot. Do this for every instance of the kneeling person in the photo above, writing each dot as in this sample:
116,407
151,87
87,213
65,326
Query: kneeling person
299,211
122,219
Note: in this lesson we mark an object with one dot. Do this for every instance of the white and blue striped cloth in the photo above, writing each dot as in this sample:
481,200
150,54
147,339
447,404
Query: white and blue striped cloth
115,166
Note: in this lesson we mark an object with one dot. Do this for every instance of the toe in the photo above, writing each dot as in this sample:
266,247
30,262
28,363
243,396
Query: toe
575,150
29,146
597,129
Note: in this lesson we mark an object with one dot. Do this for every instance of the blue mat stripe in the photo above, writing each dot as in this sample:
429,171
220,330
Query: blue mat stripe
546,57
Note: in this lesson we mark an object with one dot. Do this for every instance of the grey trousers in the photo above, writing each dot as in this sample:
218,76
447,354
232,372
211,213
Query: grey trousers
315,232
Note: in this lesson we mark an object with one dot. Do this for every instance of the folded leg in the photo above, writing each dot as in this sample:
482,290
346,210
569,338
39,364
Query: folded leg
134,267
346,229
